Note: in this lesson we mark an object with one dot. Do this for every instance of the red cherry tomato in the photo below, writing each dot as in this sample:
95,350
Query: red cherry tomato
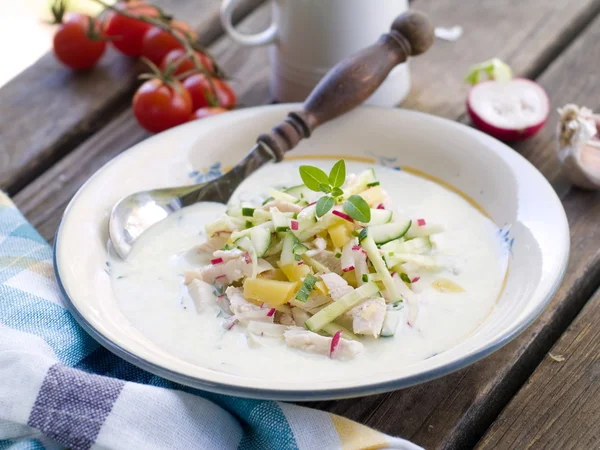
186,65
207,112
72,45
158,106
129,33
199,88
157,42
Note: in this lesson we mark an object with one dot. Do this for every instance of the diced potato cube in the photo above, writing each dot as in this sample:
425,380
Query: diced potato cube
321,288
373,196
295,272
350,277
340,234
272,292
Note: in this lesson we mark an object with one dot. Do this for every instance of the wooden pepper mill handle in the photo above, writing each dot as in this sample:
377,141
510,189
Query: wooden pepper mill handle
352,81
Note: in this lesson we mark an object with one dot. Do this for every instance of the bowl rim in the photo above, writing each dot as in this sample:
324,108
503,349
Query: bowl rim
314,393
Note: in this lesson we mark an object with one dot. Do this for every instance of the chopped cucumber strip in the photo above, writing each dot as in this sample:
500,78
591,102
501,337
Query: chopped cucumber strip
307,286
279,195
340,306
390,322
331,328
280,221
261,240
375,257
316,265
382,234
417,246
267,200
360,183
247,212
287,253
299,249
425,261
380,216
238,234
300,192
425,230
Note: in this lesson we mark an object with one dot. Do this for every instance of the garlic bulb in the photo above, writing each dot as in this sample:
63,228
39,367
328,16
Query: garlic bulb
579,145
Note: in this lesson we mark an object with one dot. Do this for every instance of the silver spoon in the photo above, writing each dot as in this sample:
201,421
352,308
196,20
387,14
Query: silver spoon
346,86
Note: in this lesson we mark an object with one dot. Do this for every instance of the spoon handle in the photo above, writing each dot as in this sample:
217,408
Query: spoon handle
352,81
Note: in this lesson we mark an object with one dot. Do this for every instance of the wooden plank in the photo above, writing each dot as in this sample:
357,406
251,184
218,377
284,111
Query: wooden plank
44,200
559,407
48,110
452,412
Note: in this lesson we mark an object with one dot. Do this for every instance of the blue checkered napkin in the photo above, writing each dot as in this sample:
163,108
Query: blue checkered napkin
59,388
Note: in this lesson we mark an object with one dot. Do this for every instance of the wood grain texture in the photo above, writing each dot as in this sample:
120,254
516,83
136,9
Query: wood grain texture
44,200
526,34
48,110
559,407
454,411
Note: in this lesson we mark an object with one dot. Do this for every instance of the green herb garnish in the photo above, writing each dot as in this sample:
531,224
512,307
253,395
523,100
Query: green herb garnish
357,208
338,255
267,200
365,278
247,212
404,277
307,286
373,184
324,204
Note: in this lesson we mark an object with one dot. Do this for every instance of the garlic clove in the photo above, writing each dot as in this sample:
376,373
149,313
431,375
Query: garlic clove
579,146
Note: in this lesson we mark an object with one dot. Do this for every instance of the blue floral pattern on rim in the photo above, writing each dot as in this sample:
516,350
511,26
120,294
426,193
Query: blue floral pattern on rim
506,238
214,171
385,161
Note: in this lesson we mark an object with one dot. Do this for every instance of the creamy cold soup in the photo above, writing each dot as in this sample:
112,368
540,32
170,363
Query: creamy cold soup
386,269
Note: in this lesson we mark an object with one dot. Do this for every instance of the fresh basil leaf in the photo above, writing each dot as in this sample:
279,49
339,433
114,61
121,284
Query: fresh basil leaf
357,208
313,177
323,206
325,188
336,192
337,176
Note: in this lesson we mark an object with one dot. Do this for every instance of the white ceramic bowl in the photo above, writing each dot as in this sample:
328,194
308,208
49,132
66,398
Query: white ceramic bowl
508,187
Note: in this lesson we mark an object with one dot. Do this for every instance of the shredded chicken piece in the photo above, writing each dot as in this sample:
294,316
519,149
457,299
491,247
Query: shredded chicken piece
310,342
202,294
243,310
336,285
319,244
213,244
282,206
228,255
286,319
315,302
329,260
368,316
300,316
227,272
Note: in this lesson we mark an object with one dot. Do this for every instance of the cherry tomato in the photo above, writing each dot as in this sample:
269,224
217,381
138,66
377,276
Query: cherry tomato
186,65
129,33
198,86
157,42
73,47
158,106
207,112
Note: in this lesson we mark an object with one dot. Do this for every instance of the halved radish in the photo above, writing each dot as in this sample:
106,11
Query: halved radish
508,110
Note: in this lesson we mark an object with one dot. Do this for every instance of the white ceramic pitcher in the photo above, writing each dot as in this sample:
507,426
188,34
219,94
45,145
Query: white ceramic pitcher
308,37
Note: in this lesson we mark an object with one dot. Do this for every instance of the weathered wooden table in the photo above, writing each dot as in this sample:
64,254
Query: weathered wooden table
57,128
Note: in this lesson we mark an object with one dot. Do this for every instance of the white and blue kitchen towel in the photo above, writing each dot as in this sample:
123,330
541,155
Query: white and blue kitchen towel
61,389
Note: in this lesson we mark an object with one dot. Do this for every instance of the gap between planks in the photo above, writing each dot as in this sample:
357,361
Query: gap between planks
451,412
49,110
559,406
